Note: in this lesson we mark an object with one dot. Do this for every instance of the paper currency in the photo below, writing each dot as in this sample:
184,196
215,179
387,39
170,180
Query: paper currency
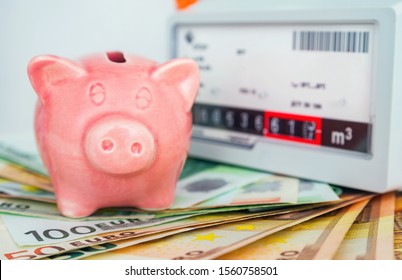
211,195
212,242
201,182
270,189
309,192
317,238
26,168
109,246
26,159
10,250
189,224
180,226
16,190
49,210
34,231
16,173
29,230
194,166
313,192
211,183
398,227
371,235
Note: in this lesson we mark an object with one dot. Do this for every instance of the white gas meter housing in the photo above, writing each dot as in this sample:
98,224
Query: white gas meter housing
305,88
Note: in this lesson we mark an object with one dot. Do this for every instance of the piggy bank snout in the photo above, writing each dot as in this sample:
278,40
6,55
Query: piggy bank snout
119,146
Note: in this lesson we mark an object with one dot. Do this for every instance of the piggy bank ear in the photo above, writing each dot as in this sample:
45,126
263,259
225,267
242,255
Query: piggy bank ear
182,74
47,71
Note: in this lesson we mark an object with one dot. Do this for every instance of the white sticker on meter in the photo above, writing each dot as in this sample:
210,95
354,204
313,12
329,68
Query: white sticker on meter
309,84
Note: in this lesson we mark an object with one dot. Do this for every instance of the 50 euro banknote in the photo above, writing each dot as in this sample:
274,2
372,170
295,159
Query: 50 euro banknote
212,242
62,248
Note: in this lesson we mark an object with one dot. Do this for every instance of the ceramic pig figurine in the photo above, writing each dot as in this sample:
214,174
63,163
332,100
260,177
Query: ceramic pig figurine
113,129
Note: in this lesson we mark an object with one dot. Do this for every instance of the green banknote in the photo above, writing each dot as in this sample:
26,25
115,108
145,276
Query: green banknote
214,241
212,182
26,159
85,245
308,193
17,190
34,231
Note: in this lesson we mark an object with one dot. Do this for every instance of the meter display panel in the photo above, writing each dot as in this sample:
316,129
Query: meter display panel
306,84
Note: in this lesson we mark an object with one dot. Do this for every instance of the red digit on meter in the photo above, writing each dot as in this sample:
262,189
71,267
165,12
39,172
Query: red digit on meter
296,128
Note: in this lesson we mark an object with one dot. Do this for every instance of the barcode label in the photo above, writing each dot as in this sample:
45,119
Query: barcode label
331,41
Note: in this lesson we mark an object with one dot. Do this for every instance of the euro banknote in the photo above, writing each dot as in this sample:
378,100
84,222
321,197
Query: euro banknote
31,208
29,160
275,190
318,238
26,229
212,182
268,189
27,168
372,234
10,250
307,193
208,195
16,173
225,218
192,223
33,231
212,242
200,186
17,190
398,227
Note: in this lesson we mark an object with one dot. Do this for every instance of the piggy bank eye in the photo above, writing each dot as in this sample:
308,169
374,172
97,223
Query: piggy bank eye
143,98
97,94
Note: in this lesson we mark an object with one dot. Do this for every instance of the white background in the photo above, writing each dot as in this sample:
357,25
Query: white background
70,28
289,270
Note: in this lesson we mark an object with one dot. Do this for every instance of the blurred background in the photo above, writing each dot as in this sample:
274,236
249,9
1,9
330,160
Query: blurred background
70,28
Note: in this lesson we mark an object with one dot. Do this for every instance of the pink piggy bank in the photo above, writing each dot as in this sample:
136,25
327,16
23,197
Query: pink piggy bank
113,129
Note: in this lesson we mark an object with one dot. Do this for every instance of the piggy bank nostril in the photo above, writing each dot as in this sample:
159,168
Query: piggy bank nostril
136,148
107,145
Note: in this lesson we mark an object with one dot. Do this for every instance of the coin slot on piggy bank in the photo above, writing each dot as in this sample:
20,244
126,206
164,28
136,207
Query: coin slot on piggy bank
117,57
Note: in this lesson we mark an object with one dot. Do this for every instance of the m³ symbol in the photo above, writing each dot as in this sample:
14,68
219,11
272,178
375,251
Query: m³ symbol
340,137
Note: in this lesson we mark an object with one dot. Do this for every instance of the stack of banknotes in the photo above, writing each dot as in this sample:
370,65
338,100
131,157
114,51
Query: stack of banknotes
220,212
